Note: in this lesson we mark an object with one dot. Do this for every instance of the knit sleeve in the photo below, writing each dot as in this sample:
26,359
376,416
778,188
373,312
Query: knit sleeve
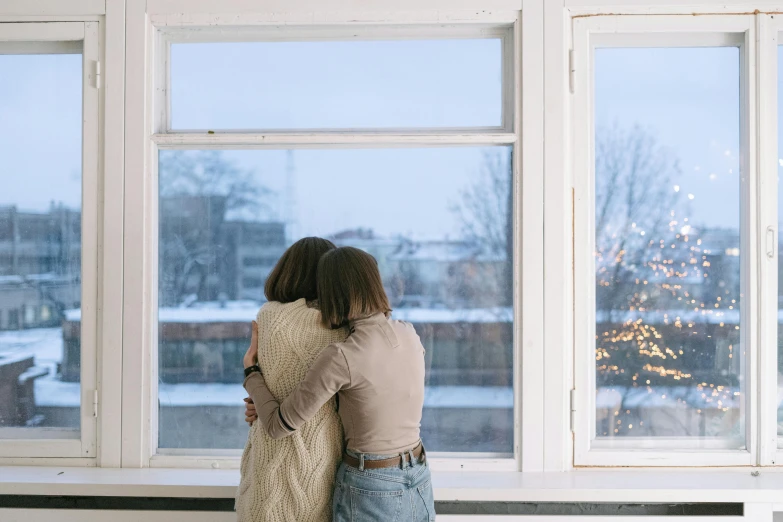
328,375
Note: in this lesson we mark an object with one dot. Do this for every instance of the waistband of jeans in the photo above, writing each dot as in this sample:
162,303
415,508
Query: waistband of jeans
374,456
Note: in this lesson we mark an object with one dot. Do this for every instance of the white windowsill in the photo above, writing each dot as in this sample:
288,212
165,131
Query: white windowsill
617,486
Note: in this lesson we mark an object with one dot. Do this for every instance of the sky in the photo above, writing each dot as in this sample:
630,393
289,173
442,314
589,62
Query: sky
688,99
409,192
40,130
295,85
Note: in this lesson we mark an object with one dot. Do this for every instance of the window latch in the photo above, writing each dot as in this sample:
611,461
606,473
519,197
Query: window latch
572,418
770,242
571,70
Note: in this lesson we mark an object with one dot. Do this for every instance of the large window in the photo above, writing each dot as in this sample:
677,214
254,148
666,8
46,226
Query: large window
590,207
47,268
662,267
433,206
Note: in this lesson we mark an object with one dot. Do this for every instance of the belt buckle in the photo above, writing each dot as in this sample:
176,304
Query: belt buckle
403,457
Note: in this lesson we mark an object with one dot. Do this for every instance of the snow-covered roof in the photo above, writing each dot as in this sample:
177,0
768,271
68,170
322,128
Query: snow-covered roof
241,311
445,252
703,315
14,357
49,278
35,278
691,396
239,314
465,315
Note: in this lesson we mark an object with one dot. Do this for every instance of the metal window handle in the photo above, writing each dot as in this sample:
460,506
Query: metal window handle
770,242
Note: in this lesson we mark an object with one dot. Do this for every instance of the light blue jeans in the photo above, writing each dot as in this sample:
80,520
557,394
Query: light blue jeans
383,495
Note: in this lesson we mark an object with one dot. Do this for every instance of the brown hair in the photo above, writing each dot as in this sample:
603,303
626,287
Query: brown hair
294,275
349,287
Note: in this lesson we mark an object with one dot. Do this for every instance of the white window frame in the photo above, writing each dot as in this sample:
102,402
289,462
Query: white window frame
770,29
658,31
85,38
139,427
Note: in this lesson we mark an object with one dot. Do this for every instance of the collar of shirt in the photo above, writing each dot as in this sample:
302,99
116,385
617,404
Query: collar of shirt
372,319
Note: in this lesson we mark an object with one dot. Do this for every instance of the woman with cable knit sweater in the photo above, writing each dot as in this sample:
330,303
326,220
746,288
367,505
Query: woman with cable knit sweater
291,479
377,373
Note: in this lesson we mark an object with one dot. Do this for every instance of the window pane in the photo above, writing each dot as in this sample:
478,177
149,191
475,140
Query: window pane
40,240
327,84
437,220
669,358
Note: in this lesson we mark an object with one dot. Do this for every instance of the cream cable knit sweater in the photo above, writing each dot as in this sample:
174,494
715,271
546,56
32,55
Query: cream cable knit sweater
291,479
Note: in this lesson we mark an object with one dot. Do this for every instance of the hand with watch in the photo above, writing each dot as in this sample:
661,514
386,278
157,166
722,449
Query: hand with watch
250,360
250,364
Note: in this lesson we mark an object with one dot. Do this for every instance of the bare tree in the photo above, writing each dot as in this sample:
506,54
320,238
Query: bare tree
651,273
199,191
209,173
485,213
636,206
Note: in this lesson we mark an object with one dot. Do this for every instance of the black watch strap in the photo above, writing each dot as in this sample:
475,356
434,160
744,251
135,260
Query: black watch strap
251,369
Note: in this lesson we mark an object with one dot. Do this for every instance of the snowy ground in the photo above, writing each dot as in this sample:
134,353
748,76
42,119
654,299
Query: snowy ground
47,346
45,343
50,392
435,396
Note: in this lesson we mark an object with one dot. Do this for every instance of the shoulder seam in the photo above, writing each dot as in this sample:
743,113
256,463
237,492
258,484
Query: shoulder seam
347,366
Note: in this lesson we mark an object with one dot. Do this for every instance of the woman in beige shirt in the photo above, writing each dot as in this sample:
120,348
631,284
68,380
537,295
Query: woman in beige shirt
377,374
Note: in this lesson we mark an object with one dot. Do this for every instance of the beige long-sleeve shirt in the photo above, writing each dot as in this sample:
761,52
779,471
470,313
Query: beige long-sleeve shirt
378,376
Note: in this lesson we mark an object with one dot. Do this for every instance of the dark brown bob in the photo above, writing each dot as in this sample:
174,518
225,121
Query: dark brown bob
294,275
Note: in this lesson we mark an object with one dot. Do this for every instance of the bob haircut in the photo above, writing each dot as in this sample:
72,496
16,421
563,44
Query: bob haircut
349,287
294,275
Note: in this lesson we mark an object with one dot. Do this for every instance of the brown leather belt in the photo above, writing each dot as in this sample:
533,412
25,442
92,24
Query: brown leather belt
392,462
